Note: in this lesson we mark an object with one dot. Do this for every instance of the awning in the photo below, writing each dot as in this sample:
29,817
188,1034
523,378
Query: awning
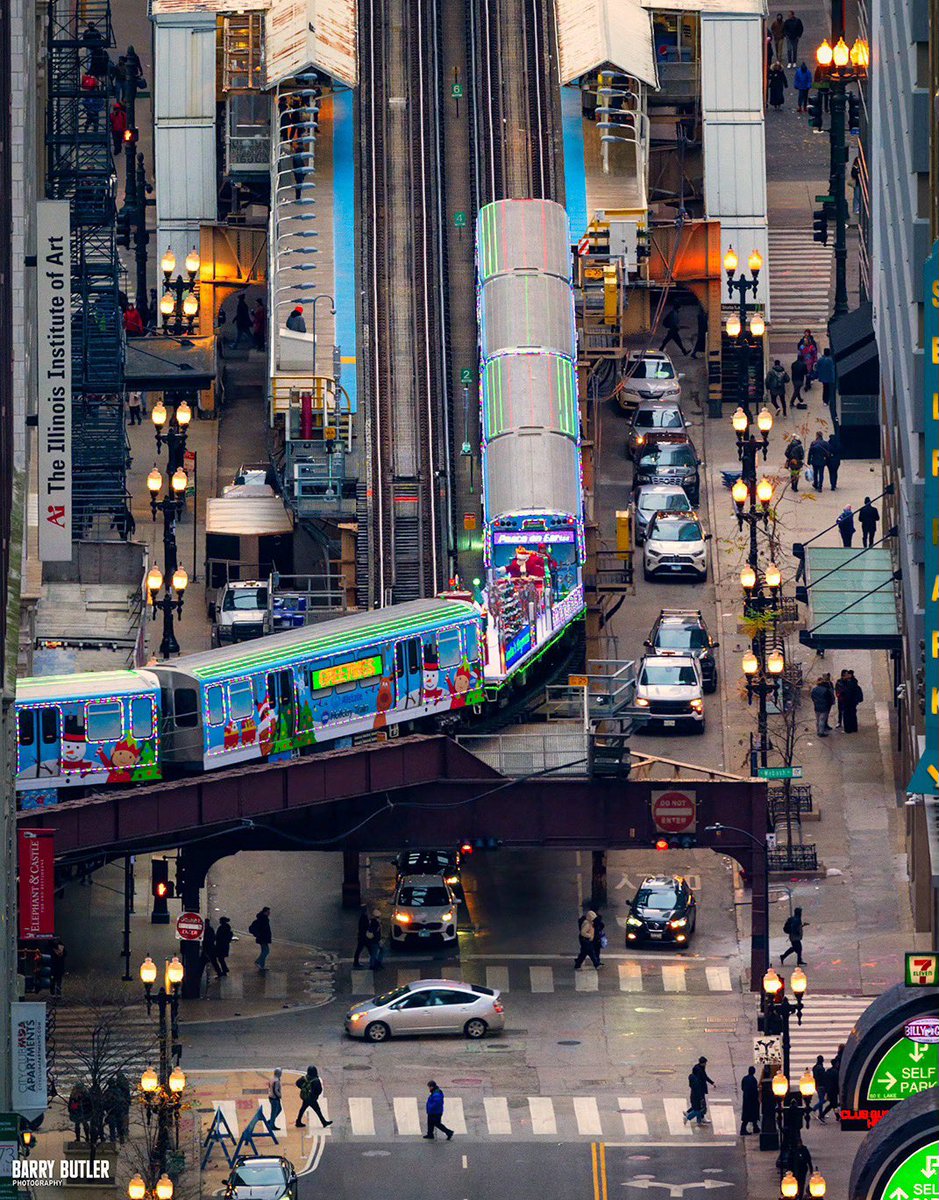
605,33
855,352
852,599
300,34
168,364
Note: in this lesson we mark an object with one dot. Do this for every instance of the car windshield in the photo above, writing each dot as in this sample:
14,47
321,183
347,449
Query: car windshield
652,369
390,997
650,502
666,675
670,456
680,637
658,418
260,1174
652,898
245,600
433,860
423,897
677,531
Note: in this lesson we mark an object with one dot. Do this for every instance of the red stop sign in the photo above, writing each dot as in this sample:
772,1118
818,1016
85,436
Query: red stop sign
190,927
673,811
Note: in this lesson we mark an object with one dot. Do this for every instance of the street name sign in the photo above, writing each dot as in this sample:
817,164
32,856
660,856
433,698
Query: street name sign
917,1175
907,1068
922,970
779,772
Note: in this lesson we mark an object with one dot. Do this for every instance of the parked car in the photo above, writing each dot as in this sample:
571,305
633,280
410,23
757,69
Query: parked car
261,1177
684,630
662,910
430,862
653,498
654,421
424,911
241,612
675,463
648,376
670,692
428,1006
675,545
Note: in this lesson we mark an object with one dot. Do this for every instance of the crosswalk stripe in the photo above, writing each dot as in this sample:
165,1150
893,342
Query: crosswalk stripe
542,979
675,1109
586,981
407,1117
497,1115
313,1123
363,983
718,979
361,1116
723,1117
630,977
826,1023
408,975
634,1119
229,1110
588,1116
453,1116
497,978
673,977
543,1120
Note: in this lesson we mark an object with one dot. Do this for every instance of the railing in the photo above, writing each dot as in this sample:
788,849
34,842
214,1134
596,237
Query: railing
610,690
678,81
522,754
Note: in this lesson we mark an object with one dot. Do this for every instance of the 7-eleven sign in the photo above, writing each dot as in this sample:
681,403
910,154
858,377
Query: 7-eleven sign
922,970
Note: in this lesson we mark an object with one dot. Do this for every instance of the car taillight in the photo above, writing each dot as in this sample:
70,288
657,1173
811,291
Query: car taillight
497,1007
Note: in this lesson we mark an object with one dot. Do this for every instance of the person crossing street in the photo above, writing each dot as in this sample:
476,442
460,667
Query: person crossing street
434,1109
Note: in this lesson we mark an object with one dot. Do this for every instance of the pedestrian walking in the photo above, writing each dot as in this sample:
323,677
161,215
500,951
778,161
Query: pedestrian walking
778,82
311,1088
701,338
823,86
851,696
599,937
825,373
208,956
834,459
361,942
434,1107
798,372
672,326
697,1098
295,321
795,461
818,457
807,350
118,126
832,1086
868,516
585,932
794,928
777,32
92,104
818,1074
376,954
259,324
845,523
57,970
776,379
750,1102
224,936
242,321
260,930
836,1061
801,1166
802,82
856,185
793,30
133,68
298,162
823,698
275,1096
134,407
123,521
118,77
133,322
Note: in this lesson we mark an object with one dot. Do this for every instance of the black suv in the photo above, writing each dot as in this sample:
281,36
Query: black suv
663,910
429,862
674,462
685,631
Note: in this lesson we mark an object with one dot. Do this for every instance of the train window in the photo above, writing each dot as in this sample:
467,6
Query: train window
141,717
74,724
347,687
215,703
413,663
471,641
27,728
450,652
105,721
240,700
186,704
49,726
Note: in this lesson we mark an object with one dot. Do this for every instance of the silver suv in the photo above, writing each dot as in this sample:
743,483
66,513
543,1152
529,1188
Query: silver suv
670,692
428,1006
424,910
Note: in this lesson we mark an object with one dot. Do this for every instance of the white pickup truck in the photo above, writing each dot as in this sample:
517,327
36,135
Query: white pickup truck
242,612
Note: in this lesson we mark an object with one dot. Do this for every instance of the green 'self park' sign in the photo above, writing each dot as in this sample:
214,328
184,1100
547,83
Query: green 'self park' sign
907,1068
917,1176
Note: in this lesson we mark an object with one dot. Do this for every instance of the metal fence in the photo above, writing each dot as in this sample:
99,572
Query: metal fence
562,752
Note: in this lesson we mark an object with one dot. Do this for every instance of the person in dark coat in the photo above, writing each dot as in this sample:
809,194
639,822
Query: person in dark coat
243,320
823,697
777,86
361,942
373,938
748,452
818,457
260,930
585,934
750,1106
697,1098
801,1165
311,1088
672,326
798,372
845,523
223,940
818,1074
851,696
208,956
868,516
776,379
434,1110
826,374
832,1083
701,339
793,30
834,459
803,85
795,461
794,929
295,322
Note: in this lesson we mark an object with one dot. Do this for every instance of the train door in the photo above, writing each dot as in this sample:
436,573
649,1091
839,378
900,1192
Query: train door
282,704
37,737
408,672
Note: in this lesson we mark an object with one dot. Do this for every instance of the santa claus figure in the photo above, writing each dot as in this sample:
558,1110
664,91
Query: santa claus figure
526,566
267,726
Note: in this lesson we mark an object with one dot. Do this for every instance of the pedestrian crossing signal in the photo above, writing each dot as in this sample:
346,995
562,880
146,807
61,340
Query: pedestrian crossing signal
820,226
816,121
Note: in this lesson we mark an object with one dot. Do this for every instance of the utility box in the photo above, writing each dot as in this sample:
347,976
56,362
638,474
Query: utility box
623,242
624,534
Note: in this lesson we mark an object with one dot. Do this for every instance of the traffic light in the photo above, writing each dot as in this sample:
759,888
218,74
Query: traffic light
676,841
161,889
123,227
816,120
130,136
36,968
820,225
854,113
487,843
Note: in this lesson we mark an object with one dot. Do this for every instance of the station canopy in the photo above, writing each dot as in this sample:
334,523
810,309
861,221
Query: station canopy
852,599
300,34
616,34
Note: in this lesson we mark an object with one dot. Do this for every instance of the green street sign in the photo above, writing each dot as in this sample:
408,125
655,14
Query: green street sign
824,199
779,772
466,375
917,1175
922,969
907,1068
459,220
456,91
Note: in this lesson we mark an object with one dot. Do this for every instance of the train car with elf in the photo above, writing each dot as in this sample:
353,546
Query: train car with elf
531,468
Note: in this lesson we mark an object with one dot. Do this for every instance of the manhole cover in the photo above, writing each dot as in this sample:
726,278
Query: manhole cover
466,1081
638,1157
568,1042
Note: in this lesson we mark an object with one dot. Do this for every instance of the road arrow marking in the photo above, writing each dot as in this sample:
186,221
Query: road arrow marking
645,1182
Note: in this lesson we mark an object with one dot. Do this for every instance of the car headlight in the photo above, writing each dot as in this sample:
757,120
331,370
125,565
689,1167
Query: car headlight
355,1016
402,918
639,439
697,705
452,879
642,702
448,916
633,921
680,923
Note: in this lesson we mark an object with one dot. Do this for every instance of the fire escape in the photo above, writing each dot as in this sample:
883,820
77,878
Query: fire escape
80,169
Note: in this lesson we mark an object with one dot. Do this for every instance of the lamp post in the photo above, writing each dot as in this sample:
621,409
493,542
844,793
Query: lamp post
176,577
759,494
759,908
332,313
762,672
162,1090
179,305
172,428
742,319
753,582
842,66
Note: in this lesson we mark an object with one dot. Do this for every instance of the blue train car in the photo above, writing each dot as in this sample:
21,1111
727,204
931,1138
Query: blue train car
362,673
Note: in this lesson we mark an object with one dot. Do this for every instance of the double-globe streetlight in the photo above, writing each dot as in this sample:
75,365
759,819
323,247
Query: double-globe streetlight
179,305
176,577
763,671
759,493
172,427
746,320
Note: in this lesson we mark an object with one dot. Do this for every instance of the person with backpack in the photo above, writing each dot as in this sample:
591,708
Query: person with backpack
260,930
376,954
776,379
794,928
818,1074
845,523
795,460
275,1096
224,936
434,1109
585,932
311,1088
